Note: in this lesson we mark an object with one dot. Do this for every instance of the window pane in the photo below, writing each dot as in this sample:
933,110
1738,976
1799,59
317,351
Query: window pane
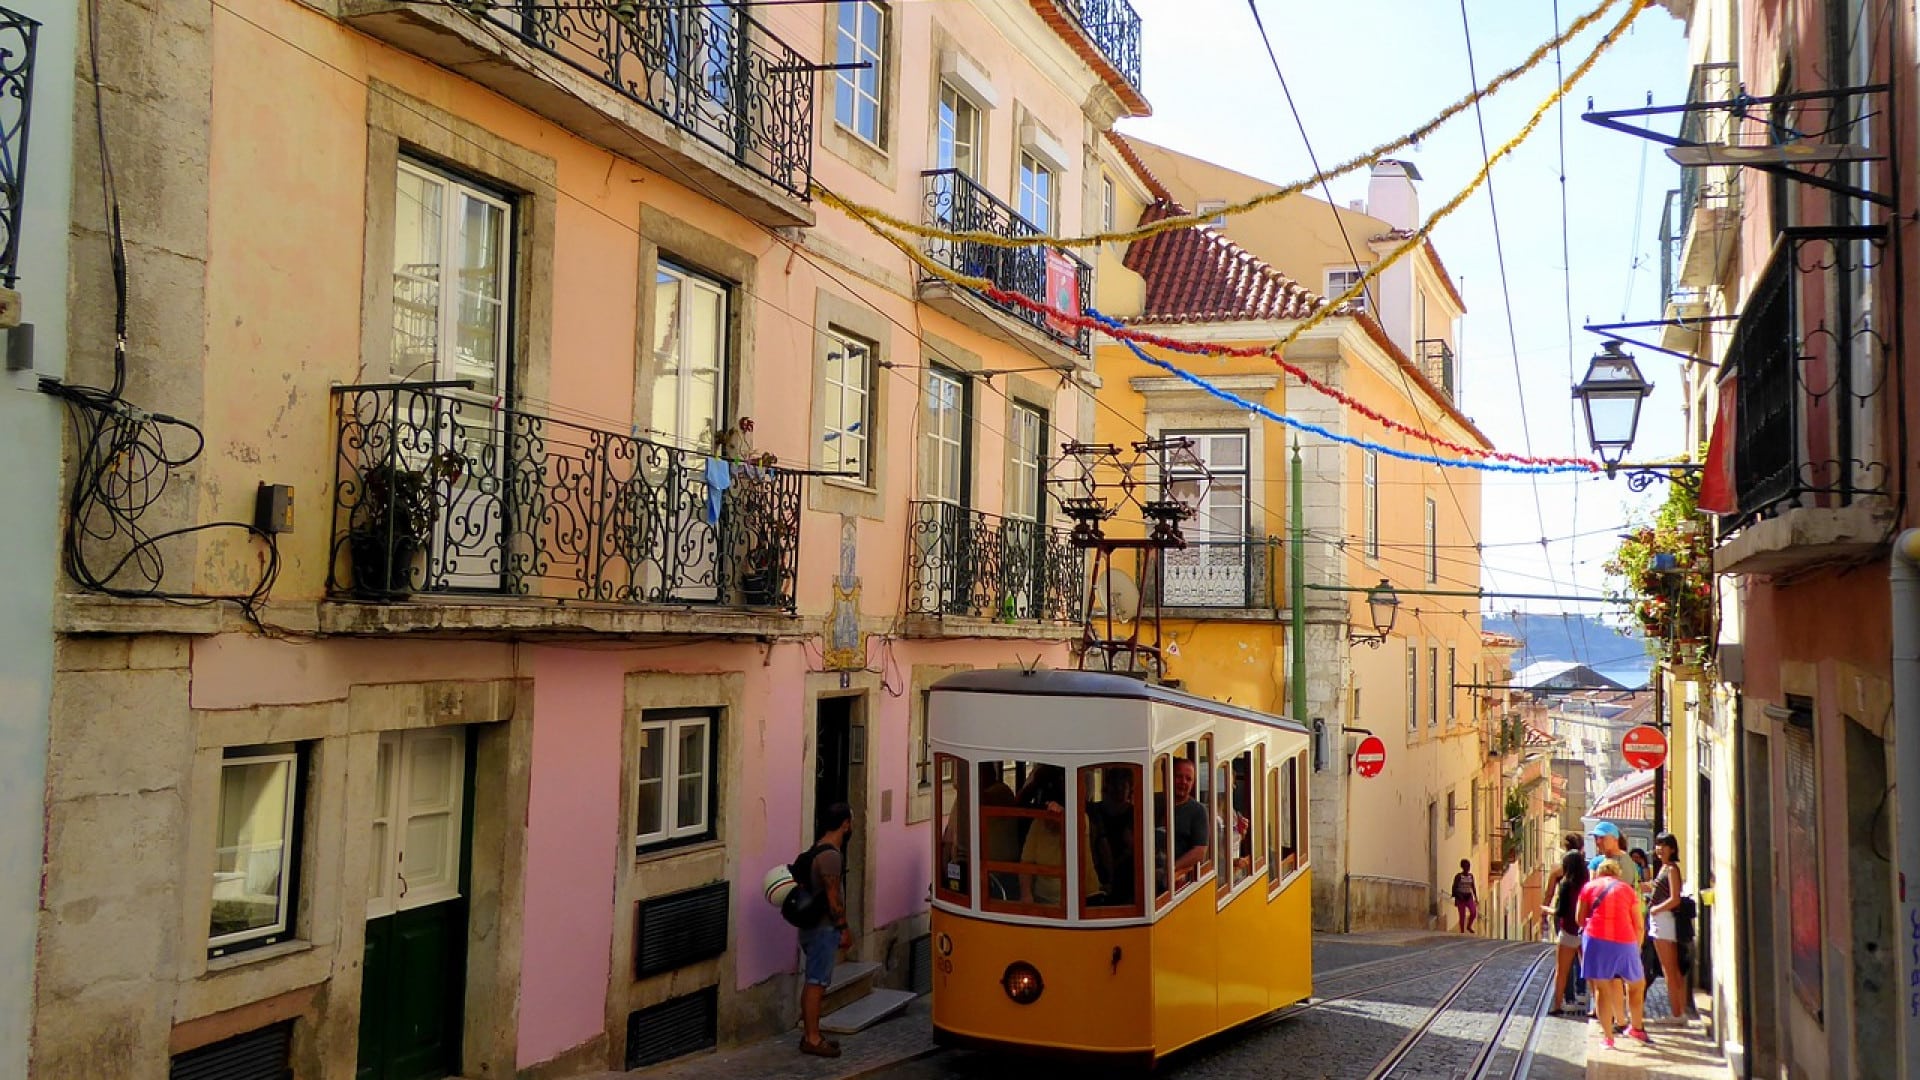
1162,831
1110,863
651,785
418,228
253,839
1190,813
427,861
1024,831
954,882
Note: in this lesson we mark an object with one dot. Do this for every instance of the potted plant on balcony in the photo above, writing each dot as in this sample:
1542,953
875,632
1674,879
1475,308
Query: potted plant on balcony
1665,573
393,521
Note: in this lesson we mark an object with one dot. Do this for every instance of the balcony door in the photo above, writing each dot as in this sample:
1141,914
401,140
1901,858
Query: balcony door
1212,571
452,286
677,503
944,544
1023,534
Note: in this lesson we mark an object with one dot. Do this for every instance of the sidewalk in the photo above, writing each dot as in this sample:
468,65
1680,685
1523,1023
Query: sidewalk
1677,1053
778,1057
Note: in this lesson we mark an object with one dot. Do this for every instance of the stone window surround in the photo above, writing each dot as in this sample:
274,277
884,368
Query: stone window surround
1174,405
878,161
399,124
665,237
1018,391
833,495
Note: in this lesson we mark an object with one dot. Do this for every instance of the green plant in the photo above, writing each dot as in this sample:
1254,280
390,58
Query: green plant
1664,571
394,518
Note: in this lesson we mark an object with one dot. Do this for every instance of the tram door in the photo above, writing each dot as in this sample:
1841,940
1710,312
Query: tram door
839,775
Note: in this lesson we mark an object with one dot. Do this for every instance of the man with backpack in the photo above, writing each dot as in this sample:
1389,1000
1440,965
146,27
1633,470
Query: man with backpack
824,935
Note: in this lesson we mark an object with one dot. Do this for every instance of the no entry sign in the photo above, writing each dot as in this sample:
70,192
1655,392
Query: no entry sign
1370,757
1644,747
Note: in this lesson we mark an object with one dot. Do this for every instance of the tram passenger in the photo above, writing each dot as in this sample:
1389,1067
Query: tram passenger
1046,840
1110,831
1000,835
1189,825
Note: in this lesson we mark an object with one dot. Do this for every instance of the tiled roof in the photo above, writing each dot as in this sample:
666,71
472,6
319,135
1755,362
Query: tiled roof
1077,39
1198,275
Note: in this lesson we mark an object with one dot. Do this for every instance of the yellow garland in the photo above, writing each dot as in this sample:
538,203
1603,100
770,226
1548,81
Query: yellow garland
867,217
1186,221
1479,180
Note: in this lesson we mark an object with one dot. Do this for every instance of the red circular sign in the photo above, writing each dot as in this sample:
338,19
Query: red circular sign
1644,747
1370,757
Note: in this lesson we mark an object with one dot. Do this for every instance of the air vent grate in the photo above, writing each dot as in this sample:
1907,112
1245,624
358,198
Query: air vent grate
677,929
674,1027
257,1055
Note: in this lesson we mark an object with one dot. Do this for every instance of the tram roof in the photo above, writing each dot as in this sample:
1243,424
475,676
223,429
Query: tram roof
1059,683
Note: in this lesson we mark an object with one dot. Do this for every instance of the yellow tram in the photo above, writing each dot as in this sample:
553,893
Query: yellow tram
1071,915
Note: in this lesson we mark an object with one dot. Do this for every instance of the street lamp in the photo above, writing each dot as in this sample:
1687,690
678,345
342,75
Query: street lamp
1382,605
1611,395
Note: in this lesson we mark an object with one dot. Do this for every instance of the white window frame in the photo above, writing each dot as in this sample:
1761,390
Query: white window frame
1453,692
856,401
944,437
1433,686
864,86
282,927
1205,444
1039,190
1341,278
1109,202
446,362
1432,528
691,282
1214,206
1027,463
673,830
958,125
1370,502
1413,687
399,802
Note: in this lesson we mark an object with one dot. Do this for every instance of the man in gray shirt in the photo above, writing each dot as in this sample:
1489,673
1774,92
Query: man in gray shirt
1190,831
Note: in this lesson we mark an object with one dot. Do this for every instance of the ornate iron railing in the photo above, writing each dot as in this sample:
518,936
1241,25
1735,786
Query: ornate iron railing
710,70
1220,574
1803,394
440,493
1114,28
18,36
1672,246
1436,362
963,562
955,201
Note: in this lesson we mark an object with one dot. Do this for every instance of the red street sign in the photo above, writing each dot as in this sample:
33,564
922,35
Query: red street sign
1370,757
1644,747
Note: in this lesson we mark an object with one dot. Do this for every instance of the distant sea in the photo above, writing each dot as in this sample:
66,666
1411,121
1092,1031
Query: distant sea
1631,674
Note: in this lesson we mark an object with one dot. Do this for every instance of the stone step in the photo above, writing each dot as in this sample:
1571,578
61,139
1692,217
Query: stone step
866,1012
852,980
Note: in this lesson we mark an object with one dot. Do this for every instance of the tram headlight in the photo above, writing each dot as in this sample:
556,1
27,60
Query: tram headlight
1022,982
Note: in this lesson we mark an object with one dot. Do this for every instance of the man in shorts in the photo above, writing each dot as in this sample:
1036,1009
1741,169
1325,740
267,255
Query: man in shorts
821,943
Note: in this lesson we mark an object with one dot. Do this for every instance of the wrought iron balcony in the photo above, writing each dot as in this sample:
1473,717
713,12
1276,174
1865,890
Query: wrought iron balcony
436,492
1240,574
1806,395
967,563
1048,275
711,70
1436,362
1114,28
18,37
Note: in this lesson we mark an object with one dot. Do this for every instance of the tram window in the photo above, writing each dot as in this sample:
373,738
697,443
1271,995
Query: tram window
1258,812
1223,828
1233,827
1024,831
1300,766
1272,789
1110,836
1162,833
954,881
1188,806
1289,816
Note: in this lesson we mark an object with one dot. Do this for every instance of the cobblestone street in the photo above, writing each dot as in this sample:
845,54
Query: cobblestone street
1407,1005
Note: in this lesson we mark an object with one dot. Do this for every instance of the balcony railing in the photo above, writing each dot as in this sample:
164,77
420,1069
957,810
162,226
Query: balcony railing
710,70
1436,363
1803,395
1221,574
440,493
1711,84
964,562
1114,28
1040,273
18,37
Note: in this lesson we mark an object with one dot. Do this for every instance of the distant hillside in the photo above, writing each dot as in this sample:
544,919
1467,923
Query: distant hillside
1579,639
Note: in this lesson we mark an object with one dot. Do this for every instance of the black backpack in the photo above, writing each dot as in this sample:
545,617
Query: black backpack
803,908
1683,916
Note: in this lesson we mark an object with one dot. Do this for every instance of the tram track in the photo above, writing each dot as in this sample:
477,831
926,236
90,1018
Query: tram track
1407,1059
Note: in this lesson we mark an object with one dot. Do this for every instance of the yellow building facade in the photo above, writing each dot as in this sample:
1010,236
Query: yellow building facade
1226,599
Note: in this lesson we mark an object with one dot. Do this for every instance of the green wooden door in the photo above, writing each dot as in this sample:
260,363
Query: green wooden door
413,982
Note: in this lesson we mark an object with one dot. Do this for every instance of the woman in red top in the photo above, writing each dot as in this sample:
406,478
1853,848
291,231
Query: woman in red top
1610,948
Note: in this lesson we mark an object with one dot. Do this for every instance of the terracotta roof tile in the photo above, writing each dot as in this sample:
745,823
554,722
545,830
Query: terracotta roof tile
1132,157
1198,275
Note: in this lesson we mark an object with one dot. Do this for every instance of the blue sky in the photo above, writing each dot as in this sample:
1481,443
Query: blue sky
1365,71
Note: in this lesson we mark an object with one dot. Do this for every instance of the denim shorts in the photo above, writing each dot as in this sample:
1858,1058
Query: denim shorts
819,946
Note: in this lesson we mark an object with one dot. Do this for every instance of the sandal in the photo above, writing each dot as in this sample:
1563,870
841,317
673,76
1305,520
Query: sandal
825,1048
